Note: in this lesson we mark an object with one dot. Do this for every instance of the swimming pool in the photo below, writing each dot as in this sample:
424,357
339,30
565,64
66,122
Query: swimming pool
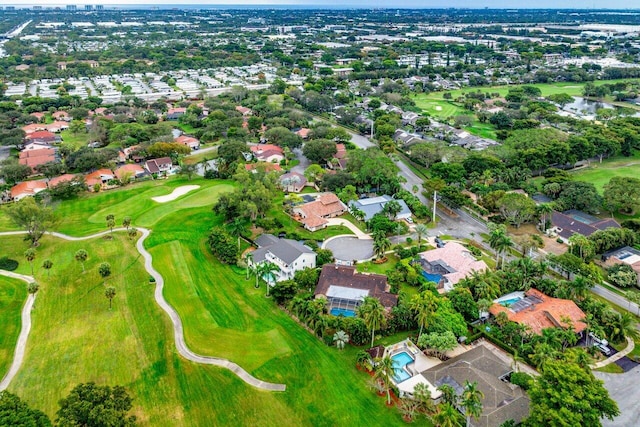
510,301
335,311
400,360
432,277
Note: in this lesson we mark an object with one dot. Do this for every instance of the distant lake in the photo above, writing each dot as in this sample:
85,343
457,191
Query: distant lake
584,106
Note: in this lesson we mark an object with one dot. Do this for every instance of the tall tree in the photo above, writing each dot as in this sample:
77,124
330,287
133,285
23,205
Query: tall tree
447,416
93,405
30,255
126,222
47,264
111,222
384,371
110,293
35,218
424,306
471,401
267,272
567,395
373,313
16,413
421,230
81,256
104,270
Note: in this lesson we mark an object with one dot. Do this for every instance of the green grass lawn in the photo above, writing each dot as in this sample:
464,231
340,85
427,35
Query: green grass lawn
599,174
13,294
74,140
76,338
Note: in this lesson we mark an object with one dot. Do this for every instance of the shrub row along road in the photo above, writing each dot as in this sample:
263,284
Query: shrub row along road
178,328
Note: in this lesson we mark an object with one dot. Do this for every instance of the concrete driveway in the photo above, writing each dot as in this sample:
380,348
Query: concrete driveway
350,248
623,388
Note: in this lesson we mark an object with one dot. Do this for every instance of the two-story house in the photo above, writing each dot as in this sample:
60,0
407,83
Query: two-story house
288,255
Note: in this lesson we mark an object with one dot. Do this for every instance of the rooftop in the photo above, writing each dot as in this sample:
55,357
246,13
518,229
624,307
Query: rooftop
344,282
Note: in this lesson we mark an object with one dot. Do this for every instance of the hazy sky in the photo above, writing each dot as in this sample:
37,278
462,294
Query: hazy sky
587,4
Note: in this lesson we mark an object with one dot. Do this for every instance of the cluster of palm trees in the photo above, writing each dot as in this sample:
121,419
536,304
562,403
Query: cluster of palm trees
499,241
263,270
381,244
312,313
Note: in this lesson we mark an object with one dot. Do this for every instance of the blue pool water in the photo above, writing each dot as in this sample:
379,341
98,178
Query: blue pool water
435,278
342,311
508,302
399,362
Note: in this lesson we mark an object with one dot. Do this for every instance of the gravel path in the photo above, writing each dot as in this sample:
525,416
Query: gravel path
178,328
18,355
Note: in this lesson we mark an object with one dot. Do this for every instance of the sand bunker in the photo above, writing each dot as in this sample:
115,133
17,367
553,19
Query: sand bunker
438,108
180,191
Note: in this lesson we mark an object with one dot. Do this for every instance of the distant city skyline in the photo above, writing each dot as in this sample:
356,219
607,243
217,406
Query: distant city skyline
390,4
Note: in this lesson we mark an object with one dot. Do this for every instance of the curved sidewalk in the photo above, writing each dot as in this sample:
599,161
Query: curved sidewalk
25,328
178,328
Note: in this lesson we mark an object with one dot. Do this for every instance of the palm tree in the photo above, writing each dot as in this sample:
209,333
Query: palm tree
374,315
81,256
424,305
384,371
33,288
126,222
132,232
421,230
340,338
499,241
409,408
447,416
111,222
422,395
110,293
448,394
248,258
471,401
624,326
105,270
381,246
484,305
30,255
47,264
544,210
267,270
237,227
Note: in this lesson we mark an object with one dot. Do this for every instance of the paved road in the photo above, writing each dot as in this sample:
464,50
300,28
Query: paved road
623,388
615,298
203,150
178,328
21,344
303,162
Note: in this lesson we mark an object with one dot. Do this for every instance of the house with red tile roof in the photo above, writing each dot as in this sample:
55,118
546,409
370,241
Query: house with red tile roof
101,176
538,311
244,110
131,171
61,115
449,264
189,141
38,115
344,288
268,167
42,136
57,126
27,189
267,153
33,127
60,179
303,133
339,160
34,158
313,215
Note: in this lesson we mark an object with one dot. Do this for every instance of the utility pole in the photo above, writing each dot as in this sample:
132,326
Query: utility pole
435,201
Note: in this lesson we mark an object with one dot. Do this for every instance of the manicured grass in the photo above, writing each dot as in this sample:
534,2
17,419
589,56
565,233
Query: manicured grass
384,268
599,174
13,294
611,368
74,140
76,338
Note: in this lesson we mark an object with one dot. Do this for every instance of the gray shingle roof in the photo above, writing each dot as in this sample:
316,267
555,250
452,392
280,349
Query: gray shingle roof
286,250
